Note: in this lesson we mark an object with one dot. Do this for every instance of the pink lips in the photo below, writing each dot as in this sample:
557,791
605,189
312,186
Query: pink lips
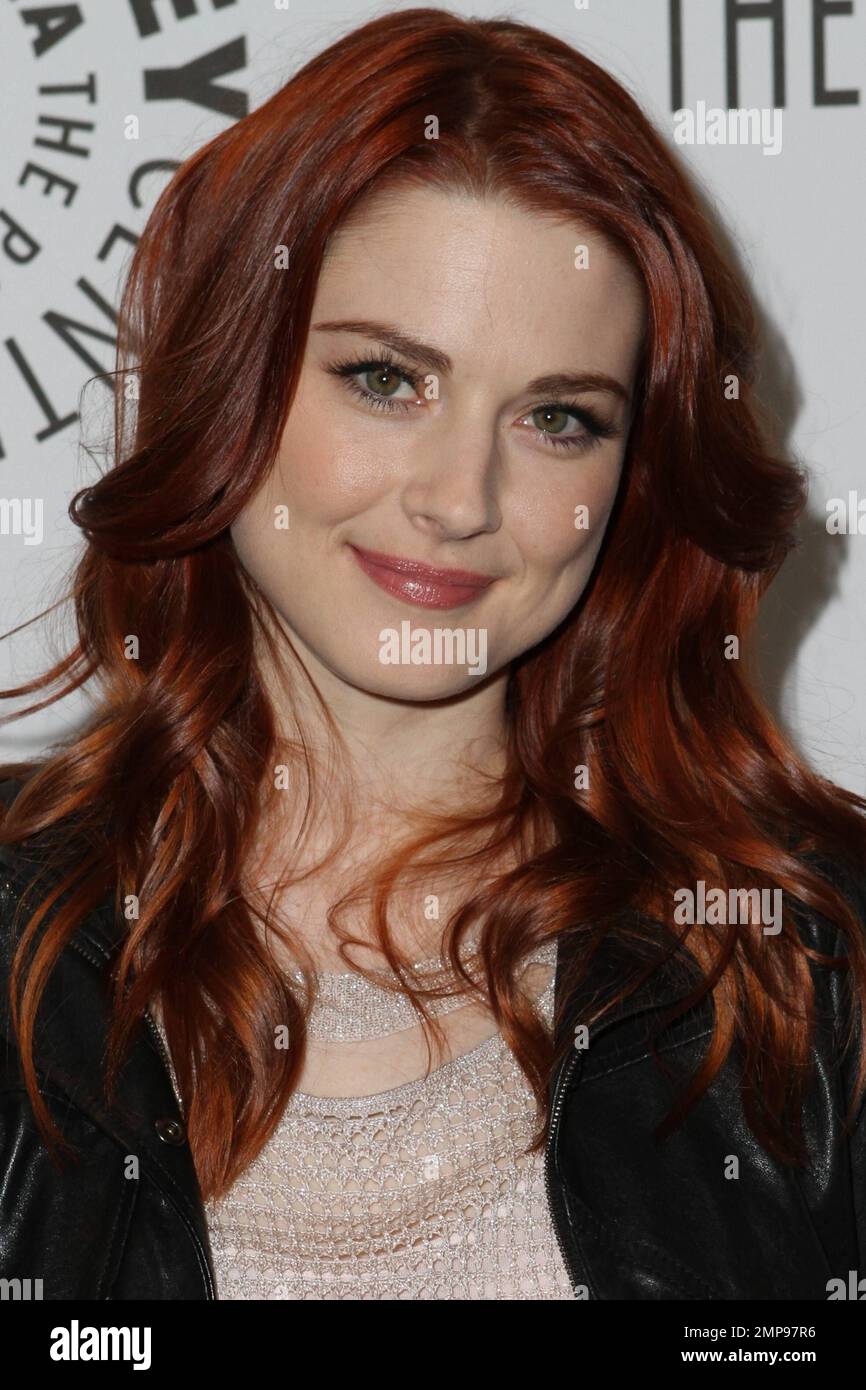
421,584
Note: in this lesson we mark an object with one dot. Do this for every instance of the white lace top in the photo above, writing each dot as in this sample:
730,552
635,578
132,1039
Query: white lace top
420,1192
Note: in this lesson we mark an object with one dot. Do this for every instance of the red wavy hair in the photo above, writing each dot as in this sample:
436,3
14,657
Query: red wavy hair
162,792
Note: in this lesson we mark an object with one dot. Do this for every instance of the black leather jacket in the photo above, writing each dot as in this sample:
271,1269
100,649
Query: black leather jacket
635,1220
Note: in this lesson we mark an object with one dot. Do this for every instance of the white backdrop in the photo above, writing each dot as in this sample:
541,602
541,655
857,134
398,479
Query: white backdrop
72,75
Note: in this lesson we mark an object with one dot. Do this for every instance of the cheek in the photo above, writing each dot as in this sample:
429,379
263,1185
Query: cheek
561,523
558,534
325,476
256,538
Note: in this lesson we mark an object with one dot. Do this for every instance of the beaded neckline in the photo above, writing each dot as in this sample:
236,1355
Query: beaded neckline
428,966
350,1008
456,1068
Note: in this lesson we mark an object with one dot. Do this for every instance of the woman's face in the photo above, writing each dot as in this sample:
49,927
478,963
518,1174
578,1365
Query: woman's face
447,452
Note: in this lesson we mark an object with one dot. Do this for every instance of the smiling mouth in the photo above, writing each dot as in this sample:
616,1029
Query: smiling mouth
420,584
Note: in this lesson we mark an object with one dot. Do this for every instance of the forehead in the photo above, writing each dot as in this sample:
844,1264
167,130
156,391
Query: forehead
485,278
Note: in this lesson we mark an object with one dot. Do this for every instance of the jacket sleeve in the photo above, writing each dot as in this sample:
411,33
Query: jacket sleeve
62,1228
64,1231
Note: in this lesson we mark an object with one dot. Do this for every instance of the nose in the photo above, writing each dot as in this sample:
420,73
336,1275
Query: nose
454,487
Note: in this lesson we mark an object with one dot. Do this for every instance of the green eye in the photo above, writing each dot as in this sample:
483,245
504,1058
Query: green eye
555,421
374,380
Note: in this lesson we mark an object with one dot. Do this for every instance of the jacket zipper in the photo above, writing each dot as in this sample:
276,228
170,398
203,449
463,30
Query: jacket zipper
164,1054
558,1215
555,1205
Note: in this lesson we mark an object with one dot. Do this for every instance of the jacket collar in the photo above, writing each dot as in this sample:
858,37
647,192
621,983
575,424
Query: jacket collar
637,952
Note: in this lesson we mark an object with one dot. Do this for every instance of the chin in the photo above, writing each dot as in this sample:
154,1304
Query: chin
415,683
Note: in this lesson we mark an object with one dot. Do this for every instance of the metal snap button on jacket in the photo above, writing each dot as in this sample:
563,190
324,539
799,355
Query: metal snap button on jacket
170,1131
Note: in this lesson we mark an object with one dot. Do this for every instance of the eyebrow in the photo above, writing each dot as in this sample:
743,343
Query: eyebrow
425,356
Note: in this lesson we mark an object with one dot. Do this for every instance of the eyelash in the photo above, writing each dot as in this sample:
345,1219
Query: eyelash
597,428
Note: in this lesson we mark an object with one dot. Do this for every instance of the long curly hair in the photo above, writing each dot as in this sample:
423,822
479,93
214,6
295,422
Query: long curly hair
159,797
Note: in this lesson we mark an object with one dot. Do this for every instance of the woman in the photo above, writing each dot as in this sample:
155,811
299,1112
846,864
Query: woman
430,908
